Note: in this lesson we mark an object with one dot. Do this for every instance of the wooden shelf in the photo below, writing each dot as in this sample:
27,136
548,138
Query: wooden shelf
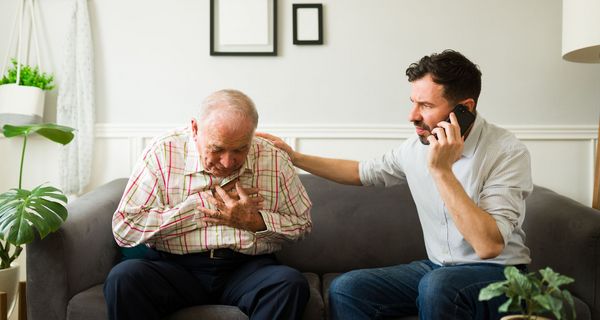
21,303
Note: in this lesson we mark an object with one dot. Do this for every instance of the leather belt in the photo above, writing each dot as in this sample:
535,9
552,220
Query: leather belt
222,254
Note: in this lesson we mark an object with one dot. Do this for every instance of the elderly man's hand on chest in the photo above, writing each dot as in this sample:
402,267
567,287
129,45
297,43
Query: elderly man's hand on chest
235,207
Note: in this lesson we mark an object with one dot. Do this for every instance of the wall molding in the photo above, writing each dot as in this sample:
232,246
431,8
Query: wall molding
292,134
354,131
129,140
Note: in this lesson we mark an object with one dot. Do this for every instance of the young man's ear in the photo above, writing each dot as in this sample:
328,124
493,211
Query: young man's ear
470,104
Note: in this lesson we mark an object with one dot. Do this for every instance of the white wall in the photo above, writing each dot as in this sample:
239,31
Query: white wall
153,69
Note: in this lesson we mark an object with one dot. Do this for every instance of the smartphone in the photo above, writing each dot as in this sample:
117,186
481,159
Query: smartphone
465,118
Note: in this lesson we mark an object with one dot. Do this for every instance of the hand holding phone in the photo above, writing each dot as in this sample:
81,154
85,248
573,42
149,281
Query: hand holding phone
465,119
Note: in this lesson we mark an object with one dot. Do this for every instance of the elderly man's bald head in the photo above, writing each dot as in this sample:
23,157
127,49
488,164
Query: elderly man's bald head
228,107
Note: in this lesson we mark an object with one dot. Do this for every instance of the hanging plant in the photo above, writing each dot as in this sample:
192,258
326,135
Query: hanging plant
31,77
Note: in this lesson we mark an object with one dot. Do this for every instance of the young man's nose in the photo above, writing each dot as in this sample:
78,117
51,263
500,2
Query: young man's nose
414,114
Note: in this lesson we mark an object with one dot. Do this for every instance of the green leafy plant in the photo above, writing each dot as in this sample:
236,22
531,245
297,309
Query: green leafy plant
24,211
31,77
532,294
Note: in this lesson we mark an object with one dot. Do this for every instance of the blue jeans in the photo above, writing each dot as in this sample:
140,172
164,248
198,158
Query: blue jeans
421,287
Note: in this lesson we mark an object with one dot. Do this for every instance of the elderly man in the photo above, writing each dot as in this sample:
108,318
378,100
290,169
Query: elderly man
212,203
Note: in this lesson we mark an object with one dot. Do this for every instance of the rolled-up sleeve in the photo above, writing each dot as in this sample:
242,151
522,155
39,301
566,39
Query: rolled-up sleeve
504,193
385,170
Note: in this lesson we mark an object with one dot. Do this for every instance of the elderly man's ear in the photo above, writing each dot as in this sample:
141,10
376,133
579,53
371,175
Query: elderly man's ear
194,125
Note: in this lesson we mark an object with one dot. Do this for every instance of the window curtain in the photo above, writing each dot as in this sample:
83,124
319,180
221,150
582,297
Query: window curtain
76,100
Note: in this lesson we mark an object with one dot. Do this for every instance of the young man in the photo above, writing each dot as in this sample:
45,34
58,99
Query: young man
212,202
470,195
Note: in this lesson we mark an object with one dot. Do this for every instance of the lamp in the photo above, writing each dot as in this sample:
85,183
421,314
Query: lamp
581,31
581,43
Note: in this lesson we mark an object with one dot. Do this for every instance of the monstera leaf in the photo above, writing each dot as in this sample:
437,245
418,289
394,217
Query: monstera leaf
22,211
54,132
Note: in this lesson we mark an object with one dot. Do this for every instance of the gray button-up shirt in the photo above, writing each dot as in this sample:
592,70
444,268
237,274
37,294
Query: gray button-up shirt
495,172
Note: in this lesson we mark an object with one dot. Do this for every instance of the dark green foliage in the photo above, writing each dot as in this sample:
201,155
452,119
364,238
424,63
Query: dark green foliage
532,294
22,212
54,132
31,77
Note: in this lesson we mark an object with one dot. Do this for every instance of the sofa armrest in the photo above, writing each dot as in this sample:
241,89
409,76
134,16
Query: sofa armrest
565,235
76,257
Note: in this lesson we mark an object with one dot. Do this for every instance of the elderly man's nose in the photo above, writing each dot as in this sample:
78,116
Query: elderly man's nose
227,160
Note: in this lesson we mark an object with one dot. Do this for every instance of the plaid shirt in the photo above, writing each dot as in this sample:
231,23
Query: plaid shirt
160,204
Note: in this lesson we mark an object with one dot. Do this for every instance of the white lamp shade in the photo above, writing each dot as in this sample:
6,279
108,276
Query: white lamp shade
581,30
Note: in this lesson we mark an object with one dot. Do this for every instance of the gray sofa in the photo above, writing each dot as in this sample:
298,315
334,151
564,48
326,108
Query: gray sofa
353,227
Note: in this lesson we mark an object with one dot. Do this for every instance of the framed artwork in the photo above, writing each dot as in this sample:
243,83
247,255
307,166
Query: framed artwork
243,27
308,23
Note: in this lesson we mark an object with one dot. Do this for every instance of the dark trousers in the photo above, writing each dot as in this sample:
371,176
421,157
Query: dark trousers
163,283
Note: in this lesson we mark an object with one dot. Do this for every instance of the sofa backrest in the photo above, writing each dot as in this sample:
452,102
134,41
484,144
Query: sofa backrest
356,227
565,235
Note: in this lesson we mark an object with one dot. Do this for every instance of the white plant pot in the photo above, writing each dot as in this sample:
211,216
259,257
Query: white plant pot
21,105
9,281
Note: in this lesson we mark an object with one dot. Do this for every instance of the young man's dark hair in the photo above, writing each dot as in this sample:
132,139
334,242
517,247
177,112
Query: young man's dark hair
460,77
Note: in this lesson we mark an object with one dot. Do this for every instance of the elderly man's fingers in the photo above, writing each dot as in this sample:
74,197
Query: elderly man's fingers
249,191
243,195
210,213
224,196
212,220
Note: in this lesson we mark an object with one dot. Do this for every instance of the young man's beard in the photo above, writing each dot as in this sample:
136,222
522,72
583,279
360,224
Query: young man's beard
423,126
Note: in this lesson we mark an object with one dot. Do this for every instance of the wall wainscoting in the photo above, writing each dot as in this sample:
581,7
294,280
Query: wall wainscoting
562,156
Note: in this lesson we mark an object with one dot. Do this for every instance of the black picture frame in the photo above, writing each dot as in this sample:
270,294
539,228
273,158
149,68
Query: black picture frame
219,31
300,39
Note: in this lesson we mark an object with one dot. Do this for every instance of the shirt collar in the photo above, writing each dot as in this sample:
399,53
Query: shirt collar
473,137
194,165
192,156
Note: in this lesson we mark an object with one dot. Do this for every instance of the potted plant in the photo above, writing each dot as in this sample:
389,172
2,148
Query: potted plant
532,295
22,94
22,211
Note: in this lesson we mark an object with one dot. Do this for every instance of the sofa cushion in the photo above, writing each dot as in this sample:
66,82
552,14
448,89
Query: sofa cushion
315,308
212,312
90,305
356,227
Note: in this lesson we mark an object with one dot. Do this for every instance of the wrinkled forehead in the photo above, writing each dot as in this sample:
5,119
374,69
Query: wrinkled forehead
227,133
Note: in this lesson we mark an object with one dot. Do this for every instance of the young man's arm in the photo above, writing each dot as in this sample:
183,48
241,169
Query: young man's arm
476,225
338,170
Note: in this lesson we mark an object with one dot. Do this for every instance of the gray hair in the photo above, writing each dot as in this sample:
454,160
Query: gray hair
229,101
